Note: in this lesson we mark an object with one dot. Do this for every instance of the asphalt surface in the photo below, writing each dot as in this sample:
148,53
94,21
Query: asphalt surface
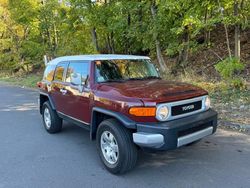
30,157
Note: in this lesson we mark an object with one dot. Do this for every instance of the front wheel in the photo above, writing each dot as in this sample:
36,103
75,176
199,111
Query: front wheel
115,146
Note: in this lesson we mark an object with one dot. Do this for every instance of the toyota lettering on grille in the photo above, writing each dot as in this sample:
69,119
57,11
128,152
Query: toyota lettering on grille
189,107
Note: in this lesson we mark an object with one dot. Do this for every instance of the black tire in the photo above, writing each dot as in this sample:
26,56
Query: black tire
56,121
127,157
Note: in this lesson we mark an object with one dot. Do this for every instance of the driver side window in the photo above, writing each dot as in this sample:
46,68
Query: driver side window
78,73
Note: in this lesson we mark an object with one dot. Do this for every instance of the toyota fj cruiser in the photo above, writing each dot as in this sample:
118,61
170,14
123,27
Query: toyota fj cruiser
124,103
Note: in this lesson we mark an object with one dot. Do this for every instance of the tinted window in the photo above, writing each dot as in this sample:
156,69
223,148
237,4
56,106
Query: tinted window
49,73
61,67
78,73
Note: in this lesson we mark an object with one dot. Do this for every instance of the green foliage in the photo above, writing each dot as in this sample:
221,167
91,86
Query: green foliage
238,83
30,29
228,67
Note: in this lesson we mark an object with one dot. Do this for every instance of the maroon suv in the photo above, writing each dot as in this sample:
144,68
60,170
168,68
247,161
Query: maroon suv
124,103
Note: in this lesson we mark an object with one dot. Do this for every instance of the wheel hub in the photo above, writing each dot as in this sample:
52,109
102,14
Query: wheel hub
47,118
109,147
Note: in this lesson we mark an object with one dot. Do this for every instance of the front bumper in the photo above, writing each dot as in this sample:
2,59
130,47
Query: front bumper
175,133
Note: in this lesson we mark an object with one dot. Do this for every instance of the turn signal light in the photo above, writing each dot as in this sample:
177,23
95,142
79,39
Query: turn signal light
142,111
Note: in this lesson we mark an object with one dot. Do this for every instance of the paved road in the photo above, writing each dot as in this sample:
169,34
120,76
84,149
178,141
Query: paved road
29,157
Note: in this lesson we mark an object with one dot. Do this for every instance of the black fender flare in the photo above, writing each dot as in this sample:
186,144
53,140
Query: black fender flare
128,123
50,100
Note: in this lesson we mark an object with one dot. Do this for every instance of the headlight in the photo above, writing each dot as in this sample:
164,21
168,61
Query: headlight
207,102
162,113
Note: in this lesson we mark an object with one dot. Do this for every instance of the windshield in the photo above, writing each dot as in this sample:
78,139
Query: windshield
122,70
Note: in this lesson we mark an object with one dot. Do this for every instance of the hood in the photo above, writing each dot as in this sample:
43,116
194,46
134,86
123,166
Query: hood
154,90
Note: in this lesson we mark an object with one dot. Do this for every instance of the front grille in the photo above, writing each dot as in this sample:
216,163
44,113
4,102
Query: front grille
194,129
186,108
183,108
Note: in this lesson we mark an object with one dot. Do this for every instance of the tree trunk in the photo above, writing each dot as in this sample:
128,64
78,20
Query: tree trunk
227,41
236,32
207,30
95,40
226,32
157,42
112,42
159,55
55,40
109,44
186,47
183,56
127,38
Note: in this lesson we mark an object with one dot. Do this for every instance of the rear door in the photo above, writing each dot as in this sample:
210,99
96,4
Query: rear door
58,91
78,91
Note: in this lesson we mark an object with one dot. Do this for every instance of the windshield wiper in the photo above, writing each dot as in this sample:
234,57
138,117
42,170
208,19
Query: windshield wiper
145,78
123,80
152,77
134,79
111,80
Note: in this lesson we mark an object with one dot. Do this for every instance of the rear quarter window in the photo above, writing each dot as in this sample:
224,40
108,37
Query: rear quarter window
49,73
60,71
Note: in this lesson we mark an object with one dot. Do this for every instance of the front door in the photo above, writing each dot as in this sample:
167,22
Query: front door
78,92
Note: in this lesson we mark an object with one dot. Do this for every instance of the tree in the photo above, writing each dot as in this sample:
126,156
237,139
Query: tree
237,30
156,39
162,29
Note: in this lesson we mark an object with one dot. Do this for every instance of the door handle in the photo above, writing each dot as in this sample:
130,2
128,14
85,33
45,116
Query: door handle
63,91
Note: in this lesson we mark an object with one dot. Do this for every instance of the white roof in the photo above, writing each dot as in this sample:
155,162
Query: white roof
96,57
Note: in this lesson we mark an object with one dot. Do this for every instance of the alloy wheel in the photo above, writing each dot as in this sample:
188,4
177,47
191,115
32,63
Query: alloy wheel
109,147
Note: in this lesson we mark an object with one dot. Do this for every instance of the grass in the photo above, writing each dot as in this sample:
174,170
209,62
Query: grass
29,80
232,103
223,91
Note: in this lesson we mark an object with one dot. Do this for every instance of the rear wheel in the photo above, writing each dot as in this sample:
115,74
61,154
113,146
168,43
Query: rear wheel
115,146
52,122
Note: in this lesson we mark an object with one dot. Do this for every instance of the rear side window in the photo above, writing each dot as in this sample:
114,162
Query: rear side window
59,73
78,73
49,73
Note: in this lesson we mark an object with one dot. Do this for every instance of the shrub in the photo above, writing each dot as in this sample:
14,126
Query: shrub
228,67
238,83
